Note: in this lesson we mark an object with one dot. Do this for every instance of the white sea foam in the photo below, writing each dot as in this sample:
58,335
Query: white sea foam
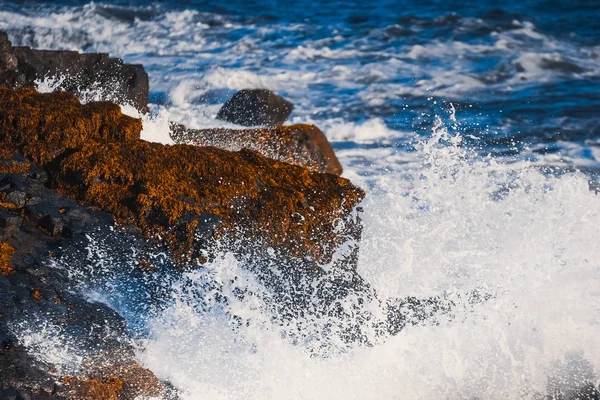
236,79
453,226
48,84
49,344
156,128
182,41
372,130
311,53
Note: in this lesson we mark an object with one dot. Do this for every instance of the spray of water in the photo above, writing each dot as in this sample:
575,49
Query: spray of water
453,224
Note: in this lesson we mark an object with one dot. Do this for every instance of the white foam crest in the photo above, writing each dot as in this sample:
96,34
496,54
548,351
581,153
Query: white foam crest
369,131
236,79
545,67
320,52
455,49
48,84
86,28
156,128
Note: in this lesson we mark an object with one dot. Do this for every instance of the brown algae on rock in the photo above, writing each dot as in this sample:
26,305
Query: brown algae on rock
176,193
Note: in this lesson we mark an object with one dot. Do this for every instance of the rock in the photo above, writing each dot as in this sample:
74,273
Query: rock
44,126
303,145
36,296
8,60
158,187
17,198
255,107
8,220
120,381
185,197
53,226
92,154
119,82
6,254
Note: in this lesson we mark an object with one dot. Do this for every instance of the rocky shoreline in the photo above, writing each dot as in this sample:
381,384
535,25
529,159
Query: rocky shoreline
85,203
69,169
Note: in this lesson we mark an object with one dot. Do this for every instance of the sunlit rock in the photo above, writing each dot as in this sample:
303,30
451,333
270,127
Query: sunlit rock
301,144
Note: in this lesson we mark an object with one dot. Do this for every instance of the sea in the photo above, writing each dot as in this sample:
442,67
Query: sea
473,127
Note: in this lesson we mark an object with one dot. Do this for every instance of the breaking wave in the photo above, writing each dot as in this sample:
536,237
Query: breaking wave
445,224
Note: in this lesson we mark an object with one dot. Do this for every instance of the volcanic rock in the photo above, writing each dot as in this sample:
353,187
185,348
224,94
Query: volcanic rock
303,145
74,72
255,107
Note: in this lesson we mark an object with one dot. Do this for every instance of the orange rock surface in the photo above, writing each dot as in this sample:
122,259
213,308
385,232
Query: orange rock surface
121,381
6,253
42,126
94,155
81,388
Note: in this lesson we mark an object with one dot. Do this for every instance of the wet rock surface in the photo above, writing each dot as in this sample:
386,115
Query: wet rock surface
62,164
43,315
75,72
303,145
255,107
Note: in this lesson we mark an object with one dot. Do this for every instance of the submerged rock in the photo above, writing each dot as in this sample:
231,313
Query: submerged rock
74,72
255,107
303,145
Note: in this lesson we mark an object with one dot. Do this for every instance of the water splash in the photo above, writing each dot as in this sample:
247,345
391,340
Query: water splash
458,224
447,223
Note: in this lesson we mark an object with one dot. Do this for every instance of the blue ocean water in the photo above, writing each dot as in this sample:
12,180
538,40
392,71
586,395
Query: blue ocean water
475,130
523,76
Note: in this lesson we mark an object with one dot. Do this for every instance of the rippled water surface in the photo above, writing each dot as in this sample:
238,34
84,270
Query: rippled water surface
524,77
475,131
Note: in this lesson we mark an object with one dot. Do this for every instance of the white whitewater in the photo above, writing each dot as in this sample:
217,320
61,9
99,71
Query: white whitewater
444,224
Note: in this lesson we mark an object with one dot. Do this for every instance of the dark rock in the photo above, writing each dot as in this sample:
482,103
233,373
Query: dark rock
119,82
33,201
303,145
9,220
34,295
16,197
8,60
53,226
255,107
